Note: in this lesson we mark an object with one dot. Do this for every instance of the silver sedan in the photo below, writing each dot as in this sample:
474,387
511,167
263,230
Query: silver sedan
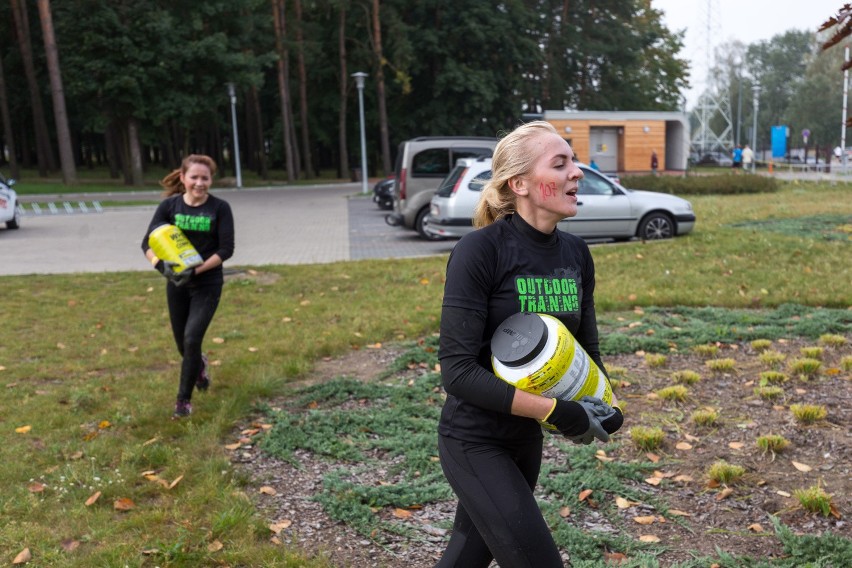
605,209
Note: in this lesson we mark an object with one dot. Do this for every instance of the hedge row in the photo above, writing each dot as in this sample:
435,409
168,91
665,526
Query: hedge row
703,185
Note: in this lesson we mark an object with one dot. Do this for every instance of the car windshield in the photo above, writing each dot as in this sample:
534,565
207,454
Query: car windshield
446,188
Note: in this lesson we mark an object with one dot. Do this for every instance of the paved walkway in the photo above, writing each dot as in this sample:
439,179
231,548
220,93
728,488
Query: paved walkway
294,225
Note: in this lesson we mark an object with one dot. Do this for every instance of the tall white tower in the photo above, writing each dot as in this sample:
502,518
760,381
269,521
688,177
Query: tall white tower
712,125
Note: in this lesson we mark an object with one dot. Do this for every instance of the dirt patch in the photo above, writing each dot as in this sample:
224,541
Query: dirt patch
733,518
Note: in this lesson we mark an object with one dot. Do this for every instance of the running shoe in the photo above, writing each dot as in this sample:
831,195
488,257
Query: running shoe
203,381
182,410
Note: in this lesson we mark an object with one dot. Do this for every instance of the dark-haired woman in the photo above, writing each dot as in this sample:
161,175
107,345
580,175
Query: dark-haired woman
193,295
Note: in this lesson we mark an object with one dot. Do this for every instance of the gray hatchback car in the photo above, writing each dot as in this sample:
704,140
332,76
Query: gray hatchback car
605,209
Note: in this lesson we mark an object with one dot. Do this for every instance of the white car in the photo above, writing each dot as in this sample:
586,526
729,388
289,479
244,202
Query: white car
9,212
605,209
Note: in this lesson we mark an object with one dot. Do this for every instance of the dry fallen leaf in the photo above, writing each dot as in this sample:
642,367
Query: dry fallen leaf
649,538
70,545
280,526
565,512
175,482
94,497
724,493
233,446
683,446
584,494
782,493
682,478
755,527
690,437
654,458
23,557
736,445
679,513
804,468
23,429
267,490
653,481
401,513
123,504
645,520
615,557
623,503
218,340
215,546
35,487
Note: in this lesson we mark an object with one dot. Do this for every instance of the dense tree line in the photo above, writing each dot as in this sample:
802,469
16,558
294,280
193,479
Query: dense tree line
145,82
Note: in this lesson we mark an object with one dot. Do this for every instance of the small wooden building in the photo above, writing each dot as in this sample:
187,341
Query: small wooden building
623,141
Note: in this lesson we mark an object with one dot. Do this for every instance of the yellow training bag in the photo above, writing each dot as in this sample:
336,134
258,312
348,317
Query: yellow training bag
170,244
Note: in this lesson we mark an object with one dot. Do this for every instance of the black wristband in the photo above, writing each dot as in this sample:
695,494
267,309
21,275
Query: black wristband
160,266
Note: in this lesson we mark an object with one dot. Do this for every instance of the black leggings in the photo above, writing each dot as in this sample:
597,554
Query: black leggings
497,516
191,310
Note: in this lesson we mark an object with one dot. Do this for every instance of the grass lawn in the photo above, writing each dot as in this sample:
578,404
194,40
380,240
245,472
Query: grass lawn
96,474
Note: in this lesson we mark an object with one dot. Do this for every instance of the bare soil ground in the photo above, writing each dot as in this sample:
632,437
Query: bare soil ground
734,519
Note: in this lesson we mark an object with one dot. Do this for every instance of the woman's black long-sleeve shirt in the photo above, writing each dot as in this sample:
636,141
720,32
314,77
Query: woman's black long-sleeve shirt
492,273
209,227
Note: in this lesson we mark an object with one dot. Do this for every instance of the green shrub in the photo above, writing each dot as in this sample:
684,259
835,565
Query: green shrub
725,184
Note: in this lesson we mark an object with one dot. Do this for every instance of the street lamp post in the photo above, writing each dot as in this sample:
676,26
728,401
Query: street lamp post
754,127
233,95
843,120
359,82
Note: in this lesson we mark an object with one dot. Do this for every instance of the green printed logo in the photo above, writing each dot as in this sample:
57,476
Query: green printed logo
192,223
547,294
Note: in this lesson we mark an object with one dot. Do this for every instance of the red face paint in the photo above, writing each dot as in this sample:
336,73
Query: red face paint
547,189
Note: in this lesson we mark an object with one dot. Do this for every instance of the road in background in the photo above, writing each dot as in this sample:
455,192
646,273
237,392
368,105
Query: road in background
293,225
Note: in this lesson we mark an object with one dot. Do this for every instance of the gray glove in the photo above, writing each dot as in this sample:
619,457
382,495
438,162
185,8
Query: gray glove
166,268
597,411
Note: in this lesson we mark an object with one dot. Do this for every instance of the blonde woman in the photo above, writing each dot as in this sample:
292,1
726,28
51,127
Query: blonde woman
490,439
193,295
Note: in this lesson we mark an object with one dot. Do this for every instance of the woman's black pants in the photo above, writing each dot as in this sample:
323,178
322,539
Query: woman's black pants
191,309
497,515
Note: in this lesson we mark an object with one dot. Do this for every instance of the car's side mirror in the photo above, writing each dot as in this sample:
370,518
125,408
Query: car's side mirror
10,182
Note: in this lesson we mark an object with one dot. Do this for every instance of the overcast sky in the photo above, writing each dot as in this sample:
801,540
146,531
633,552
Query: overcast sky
746,20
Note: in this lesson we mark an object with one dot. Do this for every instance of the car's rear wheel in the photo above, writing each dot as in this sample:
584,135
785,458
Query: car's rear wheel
419,223
14,222
656,226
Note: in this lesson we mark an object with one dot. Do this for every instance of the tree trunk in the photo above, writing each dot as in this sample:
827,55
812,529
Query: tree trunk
44,153
14,169
343,172
257,128
60,116
380,89
132,152
113,150
303,94
283,86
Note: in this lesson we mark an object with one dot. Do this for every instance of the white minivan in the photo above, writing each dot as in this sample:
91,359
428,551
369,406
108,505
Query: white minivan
605,209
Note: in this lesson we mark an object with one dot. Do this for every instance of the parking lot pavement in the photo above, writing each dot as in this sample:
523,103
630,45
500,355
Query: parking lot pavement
294,225
371,237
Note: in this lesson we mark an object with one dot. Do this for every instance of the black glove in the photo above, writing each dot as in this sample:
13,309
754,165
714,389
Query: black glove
167,269
182,278
614,422
569,417
581,422
599,413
